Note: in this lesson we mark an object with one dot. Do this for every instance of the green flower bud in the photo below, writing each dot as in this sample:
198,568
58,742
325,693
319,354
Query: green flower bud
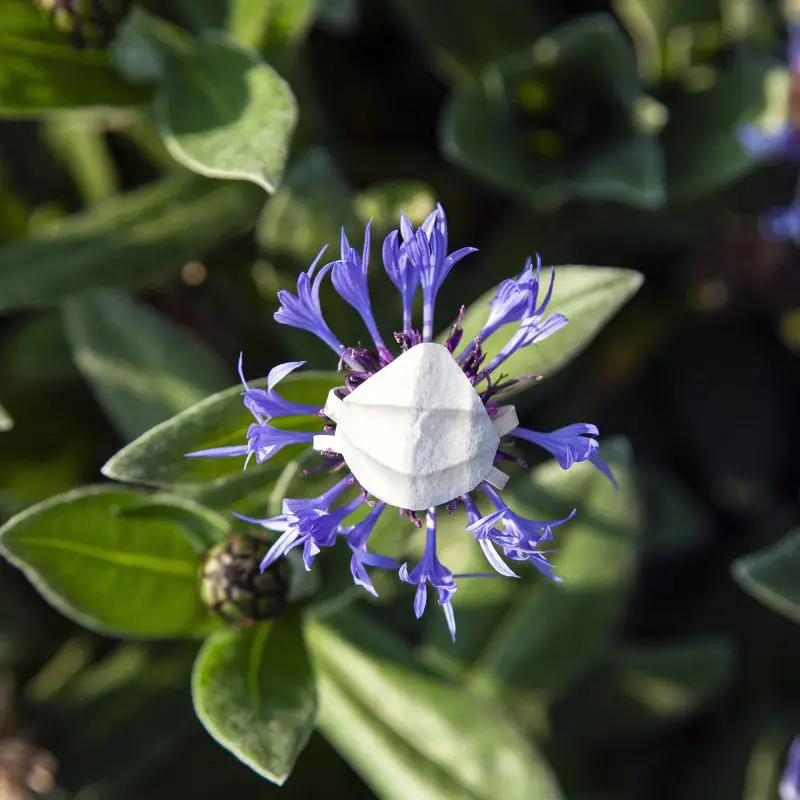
88,23
234,587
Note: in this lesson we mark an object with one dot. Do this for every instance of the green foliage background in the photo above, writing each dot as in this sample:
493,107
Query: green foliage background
164,172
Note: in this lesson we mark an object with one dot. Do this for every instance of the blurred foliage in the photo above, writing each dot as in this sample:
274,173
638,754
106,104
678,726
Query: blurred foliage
165,168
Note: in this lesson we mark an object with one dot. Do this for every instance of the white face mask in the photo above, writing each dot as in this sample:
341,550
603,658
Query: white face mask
416,433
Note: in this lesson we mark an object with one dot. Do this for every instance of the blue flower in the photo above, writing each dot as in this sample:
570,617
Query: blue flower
310,524
403,271
488,535
569,445
304,310
532,330
265,404
349,278
431,571
789,787
782,224
412,258
427,250
520,537
516,298
783,141
263,441
357,538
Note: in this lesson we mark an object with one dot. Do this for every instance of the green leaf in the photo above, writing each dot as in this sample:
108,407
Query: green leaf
111,572
130,241
41,71
678,523
411,734
464,38
339,17
135,699
382,203
36,351
20,631
254,692
80,145
587,296
198,15
770,575
671,37
518,127
6,423
551,633
157,457
701,158
308,211
270,25
315,202
224,113
635,688
143,45
142,368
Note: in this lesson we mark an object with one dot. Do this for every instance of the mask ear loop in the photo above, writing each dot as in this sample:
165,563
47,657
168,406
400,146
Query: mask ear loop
333,409
505,420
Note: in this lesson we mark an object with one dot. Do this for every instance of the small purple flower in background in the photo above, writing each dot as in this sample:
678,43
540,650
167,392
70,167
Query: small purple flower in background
781,142
789,787
782,223
414,429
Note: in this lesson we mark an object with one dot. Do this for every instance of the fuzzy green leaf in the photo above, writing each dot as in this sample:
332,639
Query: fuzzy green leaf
132,240
411,734
254,692
224,113
100,563
770,575
142,368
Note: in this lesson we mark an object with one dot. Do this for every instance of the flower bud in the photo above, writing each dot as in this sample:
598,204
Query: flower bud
88,23
235,588
27,772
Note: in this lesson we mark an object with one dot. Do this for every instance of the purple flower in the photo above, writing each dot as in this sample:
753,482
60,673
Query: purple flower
403,272
532,330
516,298
310,524
434,392
782,224
789,787
427,249
521,537
431,570
304,310
782,142
265,404
263,441
349,278
357,538
488,535
570,445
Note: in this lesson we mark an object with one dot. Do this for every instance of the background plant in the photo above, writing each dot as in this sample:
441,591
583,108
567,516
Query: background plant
166,167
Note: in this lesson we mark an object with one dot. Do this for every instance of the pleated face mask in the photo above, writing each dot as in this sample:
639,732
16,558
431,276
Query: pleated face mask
417,434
